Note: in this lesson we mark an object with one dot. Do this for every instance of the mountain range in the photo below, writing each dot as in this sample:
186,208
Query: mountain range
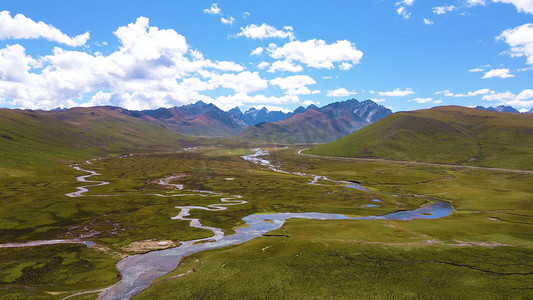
311,124
501,108
318,125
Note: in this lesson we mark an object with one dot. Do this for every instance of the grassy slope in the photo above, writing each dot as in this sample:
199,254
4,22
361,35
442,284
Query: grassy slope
450,134
37,137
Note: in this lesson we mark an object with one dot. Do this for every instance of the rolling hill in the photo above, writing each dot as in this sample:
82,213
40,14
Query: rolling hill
318,125
447,134
27,135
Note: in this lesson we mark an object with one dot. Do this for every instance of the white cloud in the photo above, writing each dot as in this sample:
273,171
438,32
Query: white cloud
257,51
402,11
245,15
213,10
524,69
447,93
521,41
440,10
244,82
316,53
15,64
521,5
406,2
230,101
301,91
502,73
228,66
229,20
284,66
437,101
264,31
523,99
378,100
295,85
99,99
340,92
21,27
476,70
479,92
397,93
263,65
475,2
428,21
345,66
422,100
152,68
292,82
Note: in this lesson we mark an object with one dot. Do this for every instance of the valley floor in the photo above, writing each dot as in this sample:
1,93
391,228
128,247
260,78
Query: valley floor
483,249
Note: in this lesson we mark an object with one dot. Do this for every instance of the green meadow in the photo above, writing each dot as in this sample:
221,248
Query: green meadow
483,249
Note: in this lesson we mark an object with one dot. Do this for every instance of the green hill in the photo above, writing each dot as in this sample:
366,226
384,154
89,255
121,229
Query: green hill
33,136
448,134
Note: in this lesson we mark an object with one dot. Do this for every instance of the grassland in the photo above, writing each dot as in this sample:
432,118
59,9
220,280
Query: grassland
482,250
449,134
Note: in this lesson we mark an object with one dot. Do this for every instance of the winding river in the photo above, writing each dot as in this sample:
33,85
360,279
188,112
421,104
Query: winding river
139,271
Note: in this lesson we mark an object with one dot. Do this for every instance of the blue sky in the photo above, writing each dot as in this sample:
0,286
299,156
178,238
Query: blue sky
406,55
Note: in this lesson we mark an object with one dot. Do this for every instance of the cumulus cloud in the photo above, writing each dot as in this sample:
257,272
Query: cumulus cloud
406,2
476,70
397,93
244,82
402,11
345,66
230,101
257,51
212,10
152,68
521,41
263,65
340,92
475,2
292,82
229,20
440,10
521,5
422,100
21,27
284,66
316,53
15,64
447,93
428,21
227,66
264,31
501,73
295,85
522,99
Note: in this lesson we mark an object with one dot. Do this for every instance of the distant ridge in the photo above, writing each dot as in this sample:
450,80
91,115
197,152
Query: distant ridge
501,108
318,125
198,119
446,134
